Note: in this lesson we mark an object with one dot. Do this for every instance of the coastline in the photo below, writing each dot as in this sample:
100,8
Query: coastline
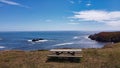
105,57
62,39
106,37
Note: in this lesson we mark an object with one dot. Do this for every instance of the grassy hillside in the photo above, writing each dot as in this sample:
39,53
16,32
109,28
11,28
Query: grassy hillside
92,58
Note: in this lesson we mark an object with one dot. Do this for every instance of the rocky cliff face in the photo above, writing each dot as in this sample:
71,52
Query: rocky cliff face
106,37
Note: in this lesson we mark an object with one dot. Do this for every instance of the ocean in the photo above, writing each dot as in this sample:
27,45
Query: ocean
53,39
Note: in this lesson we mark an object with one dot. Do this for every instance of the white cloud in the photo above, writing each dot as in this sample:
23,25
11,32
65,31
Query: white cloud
13,3
48,20
71,20
111,18
88,4
75,1
79,1
1,5
9,2
71,1
114,23
73,23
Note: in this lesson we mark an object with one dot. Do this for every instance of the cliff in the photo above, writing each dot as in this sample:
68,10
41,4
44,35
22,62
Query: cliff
106,37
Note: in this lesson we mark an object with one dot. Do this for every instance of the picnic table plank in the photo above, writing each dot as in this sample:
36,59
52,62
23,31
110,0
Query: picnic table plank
66,50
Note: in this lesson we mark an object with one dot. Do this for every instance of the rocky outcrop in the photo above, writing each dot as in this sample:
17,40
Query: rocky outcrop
37,39
106,37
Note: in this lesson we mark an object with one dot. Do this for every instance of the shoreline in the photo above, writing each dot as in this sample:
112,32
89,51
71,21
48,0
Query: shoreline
107,45
85,36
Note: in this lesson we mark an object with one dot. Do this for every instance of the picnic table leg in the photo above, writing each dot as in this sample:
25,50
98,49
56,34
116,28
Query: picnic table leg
72,53
58,53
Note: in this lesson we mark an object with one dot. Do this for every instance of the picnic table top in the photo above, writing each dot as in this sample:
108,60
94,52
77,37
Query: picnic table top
66,50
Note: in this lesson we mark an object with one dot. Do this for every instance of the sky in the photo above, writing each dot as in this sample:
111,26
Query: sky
59,15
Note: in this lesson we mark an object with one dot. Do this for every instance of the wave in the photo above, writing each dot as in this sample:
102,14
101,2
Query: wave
76,37
87,37
40,41
1,47
85,42
63,44
81,37
0,38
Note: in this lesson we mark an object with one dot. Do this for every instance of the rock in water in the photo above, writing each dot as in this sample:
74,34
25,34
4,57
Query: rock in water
34,40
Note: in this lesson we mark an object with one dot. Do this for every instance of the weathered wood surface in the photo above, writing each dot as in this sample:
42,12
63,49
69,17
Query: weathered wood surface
66,50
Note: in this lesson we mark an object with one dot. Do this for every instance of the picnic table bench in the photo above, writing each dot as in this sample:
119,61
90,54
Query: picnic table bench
66,53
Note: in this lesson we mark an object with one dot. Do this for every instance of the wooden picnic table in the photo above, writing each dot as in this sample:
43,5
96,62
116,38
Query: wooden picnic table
72,55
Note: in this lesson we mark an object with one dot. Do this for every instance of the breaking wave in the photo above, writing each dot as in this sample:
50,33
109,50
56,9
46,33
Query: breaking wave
39,41
0,38
81,37
1,47
86,37
63,44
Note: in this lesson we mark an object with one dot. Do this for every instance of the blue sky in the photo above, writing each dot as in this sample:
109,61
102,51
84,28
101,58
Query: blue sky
53,15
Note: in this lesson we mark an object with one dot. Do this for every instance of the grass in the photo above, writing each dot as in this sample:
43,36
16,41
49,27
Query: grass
92,58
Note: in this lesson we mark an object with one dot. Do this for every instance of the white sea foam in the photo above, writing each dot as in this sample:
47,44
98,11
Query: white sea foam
1,47
86,37
0,38
85,42
76,37
40,41
63,44
81,37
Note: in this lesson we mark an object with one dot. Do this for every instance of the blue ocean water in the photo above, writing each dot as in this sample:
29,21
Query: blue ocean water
54,39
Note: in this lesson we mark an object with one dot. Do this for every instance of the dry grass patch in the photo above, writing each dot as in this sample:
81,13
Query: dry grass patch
92,58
